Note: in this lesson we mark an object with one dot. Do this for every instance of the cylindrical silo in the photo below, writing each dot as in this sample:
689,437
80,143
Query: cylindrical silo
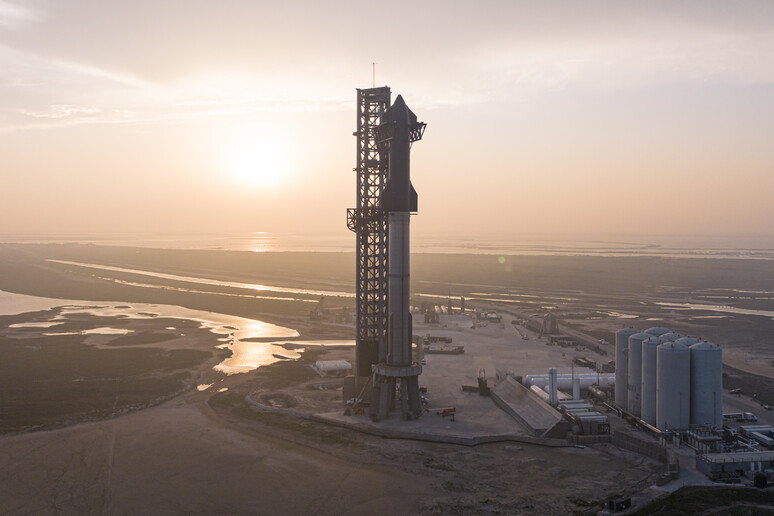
553,394
670,337
622,364
673,386
688,341
576,388
706,384
658,331
634,382
564,380
648,391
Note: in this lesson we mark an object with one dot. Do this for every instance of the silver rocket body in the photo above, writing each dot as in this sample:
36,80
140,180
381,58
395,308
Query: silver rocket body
400,327
399,200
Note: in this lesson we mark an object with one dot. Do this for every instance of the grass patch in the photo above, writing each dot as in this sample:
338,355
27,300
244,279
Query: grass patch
49,382
280,375
431,463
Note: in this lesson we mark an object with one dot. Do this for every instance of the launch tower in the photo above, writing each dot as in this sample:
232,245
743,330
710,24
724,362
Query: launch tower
385,199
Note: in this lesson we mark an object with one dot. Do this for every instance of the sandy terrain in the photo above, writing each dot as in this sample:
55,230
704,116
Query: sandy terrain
178,458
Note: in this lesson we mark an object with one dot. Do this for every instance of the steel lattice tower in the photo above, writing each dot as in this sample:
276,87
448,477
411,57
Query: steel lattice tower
369,223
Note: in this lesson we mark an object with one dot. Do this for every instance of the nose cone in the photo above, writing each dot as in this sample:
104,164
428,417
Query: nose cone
400,113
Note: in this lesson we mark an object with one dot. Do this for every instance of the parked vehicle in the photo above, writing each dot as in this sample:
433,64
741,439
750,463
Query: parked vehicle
740,417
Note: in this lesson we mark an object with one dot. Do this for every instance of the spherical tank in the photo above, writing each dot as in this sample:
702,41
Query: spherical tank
658,331
673,386
622,364
670,337
688,341
634,382
706,384
648,391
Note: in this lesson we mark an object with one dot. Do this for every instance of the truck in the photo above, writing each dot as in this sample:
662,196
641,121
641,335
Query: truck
740,417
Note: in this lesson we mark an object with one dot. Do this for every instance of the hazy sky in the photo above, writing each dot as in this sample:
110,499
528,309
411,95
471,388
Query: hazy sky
551,118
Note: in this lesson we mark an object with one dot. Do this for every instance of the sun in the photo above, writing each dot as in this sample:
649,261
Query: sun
257,165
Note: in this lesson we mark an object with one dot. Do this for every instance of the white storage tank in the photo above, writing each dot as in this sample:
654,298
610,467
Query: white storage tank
634,382
688,341
658,331
553,388
648,390
576,389
540,392
564,380
706,384
670,337
622,364
673,386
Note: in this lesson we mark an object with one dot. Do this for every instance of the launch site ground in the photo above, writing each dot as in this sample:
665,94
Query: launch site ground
488,347
211,451
156,444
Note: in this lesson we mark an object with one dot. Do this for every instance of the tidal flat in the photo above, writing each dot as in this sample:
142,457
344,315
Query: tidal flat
130,432
597,294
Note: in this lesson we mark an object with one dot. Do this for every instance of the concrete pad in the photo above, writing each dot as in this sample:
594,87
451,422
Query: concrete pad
469,427
477,418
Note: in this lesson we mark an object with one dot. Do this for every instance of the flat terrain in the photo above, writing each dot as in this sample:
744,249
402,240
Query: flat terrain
158,445
595,294
699,501
180,458
209,451
183,457
55,375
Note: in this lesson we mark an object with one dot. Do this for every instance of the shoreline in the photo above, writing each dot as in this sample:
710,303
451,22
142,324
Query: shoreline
589,289
677,246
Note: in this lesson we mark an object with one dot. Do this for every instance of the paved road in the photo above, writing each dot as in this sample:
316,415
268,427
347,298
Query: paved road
743,403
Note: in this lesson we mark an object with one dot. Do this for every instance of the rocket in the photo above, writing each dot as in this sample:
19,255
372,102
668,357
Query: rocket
400,128
399,194
399,200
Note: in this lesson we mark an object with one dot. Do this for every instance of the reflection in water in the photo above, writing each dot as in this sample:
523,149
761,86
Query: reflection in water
107,331
737,246
717,308
309,343
197,291
207,281
47,324
12,304
246,356
252,355
620,315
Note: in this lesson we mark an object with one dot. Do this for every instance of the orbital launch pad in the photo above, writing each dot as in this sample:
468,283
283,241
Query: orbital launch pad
385,373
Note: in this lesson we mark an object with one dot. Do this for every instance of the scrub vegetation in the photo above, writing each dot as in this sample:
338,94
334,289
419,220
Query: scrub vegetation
47,382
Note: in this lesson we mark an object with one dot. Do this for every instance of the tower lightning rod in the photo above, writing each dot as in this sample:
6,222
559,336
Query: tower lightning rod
373,74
